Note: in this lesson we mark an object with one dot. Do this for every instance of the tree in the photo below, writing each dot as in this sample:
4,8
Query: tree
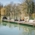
8,9
0,8
17,12
30,8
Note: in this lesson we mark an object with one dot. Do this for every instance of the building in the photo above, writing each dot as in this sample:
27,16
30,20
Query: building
3,12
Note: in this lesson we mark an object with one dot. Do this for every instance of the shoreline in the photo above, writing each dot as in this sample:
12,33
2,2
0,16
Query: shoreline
20,22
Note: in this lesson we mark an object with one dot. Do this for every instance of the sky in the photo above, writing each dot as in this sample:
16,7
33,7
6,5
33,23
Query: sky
4,2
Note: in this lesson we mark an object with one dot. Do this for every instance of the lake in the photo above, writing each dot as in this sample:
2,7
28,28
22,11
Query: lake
7,28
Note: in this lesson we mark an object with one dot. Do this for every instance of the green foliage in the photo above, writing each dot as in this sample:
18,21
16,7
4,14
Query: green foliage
16,10
30,9
0,8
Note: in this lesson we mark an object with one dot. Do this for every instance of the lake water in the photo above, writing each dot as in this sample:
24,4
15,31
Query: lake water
15,29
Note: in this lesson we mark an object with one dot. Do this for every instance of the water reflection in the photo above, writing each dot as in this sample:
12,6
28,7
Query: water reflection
15,29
